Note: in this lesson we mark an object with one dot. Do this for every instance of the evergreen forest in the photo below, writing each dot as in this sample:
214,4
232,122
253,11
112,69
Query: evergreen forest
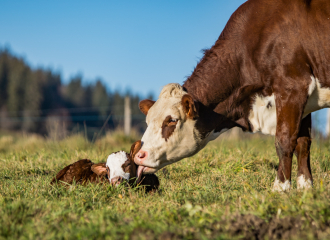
37,101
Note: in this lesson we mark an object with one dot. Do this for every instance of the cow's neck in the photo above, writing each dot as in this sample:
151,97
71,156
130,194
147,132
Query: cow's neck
217,85
214,78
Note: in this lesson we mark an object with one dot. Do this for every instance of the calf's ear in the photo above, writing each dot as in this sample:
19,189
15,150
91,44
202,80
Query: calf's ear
189,106
99,169
145,105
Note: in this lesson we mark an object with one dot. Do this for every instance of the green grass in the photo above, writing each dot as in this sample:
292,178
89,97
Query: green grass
222,192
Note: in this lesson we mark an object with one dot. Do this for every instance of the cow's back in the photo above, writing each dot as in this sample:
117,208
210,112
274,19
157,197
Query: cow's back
279,37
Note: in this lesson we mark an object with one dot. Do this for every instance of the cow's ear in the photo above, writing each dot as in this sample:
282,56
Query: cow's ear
135,149
99,169
145,105
189,106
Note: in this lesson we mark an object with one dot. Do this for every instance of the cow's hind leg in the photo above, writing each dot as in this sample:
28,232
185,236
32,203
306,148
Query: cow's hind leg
302,151
290,105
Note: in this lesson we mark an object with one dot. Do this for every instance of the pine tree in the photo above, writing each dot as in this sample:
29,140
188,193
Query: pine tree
32,102
16,91
100,98
4,72
52,86
75,92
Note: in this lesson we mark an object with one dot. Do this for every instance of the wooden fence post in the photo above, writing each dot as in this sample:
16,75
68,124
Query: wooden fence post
127,116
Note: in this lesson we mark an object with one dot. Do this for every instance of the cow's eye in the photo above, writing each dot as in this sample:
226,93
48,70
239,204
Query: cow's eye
168,127
172,122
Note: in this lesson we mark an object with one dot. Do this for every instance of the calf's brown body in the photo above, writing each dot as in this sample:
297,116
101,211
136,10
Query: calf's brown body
81,172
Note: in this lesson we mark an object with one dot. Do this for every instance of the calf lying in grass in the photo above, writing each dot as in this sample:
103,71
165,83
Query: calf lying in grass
119,168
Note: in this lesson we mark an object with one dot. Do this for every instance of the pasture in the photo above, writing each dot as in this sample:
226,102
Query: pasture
222,192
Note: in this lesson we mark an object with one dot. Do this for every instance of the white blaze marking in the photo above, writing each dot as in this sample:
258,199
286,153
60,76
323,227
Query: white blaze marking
114,162
281,187
303,183
263,115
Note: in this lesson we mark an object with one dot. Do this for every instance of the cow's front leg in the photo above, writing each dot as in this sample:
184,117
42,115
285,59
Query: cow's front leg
302,151
289,107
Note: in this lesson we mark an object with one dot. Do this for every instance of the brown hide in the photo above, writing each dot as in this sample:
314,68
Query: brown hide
267,47
80,172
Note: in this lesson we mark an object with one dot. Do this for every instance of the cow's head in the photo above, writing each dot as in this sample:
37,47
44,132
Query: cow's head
173,131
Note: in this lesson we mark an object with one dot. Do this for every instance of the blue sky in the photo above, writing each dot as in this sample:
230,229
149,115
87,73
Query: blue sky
136,45
141,45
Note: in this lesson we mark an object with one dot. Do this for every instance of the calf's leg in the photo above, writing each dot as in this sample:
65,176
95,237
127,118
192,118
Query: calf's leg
302,152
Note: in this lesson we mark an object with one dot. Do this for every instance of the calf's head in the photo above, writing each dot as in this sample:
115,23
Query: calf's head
173,131
120,166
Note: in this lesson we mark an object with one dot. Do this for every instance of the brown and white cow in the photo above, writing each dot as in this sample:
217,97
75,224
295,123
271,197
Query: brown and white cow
269,69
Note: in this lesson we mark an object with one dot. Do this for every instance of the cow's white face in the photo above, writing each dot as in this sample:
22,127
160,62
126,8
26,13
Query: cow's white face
171,134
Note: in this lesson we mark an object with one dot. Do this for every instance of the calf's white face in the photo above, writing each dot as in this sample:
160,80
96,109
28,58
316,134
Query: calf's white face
120,166
114,165
171,134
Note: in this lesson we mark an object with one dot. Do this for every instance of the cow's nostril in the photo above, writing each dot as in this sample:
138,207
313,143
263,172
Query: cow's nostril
142,155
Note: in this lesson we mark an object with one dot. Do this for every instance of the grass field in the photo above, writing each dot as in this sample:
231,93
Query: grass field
222,192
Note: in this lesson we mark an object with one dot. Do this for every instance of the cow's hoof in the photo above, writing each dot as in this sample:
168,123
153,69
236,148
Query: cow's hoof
303,183
281,187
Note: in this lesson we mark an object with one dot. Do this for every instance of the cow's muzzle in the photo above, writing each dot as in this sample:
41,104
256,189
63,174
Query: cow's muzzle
144,170
140,157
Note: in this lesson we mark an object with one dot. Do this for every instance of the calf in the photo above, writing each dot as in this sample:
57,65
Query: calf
119,168
82,172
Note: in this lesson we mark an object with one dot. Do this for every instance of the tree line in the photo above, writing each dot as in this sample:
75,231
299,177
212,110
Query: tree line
37,100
